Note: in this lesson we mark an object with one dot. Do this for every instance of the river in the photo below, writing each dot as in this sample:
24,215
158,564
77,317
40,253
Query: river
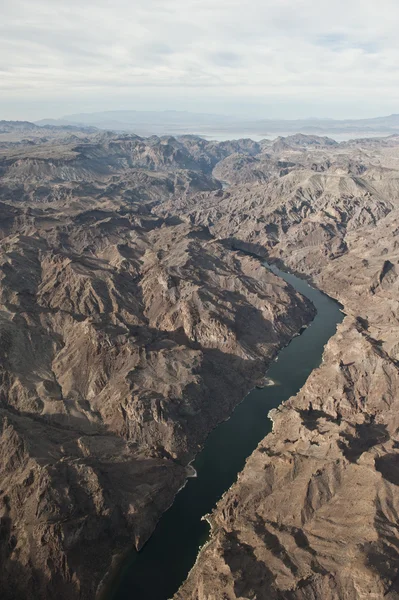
156,572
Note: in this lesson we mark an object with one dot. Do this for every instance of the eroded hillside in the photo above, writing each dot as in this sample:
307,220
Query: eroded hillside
314,512
125,337
131,324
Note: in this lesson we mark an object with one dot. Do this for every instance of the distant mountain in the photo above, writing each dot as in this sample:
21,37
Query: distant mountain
373,125
11,129
148,123
145,122
13,126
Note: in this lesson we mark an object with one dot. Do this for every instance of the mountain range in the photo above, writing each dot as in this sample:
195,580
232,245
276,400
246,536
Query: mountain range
180,122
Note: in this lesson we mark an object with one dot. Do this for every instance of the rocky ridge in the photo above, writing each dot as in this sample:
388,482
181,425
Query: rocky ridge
314,512
125,337
127,314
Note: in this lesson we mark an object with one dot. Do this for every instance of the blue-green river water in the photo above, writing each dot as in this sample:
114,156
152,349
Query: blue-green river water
157,571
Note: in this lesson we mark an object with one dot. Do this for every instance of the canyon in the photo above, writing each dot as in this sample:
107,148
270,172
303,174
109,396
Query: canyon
134,319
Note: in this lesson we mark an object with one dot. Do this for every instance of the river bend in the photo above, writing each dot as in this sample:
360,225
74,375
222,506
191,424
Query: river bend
157,571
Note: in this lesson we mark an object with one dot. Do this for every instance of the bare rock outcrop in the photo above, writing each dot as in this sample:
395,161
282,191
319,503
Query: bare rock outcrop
130,326
125,337
314,512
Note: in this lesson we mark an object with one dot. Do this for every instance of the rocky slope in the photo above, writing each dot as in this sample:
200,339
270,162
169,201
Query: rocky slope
314,514
130,326
26,132
125,337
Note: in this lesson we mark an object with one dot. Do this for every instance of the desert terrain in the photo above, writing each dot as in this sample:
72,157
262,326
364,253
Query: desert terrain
134,318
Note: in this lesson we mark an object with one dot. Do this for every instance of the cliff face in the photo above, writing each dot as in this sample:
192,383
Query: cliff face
314,512
125,337
130,326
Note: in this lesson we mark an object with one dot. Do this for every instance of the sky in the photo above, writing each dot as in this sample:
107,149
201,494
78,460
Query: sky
252,58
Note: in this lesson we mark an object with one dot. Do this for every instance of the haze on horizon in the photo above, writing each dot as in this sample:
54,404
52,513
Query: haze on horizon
264,58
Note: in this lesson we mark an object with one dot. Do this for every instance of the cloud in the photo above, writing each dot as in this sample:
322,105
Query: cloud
53,50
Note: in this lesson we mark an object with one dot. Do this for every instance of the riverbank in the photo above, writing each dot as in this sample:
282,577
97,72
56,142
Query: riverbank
314,512
173,548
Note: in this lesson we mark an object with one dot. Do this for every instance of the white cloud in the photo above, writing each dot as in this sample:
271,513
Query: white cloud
61,51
